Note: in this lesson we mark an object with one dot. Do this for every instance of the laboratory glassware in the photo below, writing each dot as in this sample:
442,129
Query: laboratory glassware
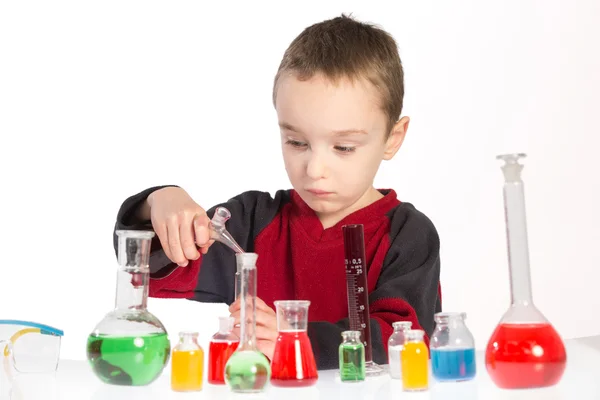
352,357
395,346
415,362
130,346
293,361
452,348
221,347
358,292
525,350
247,370
187,364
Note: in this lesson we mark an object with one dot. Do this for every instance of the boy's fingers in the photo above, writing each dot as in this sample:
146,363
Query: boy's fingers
234,306
264,333
204,249
174,244
261,305
161,232
266,320
186,235
201,230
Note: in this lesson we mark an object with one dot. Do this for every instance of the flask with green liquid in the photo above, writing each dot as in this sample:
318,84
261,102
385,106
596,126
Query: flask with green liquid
130,346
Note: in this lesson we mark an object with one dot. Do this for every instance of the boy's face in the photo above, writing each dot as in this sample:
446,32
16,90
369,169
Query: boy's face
333,140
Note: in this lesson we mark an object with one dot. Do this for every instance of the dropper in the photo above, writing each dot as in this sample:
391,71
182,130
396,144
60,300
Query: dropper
218,231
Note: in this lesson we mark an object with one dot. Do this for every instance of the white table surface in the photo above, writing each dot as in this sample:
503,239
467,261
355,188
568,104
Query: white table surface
75,380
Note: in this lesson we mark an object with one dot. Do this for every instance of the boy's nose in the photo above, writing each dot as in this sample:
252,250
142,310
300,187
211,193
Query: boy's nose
316,167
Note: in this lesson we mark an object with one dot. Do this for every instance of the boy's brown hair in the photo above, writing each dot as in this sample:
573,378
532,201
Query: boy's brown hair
345,48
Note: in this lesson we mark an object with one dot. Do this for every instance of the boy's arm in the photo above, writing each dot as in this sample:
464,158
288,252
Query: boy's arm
407,289
250,212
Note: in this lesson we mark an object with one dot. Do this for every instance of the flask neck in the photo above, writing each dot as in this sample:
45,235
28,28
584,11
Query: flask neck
518,248
132,289
133,273
247,262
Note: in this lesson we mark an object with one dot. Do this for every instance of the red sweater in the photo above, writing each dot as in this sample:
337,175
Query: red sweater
299,260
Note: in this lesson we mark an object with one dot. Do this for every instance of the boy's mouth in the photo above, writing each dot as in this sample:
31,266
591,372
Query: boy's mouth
318,192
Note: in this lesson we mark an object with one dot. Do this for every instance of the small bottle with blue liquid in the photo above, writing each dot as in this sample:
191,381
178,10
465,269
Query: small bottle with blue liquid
452,348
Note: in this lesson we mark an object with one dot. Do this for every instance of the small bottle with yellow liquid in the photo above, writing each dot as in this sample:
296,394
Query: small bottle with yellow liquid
187,364
415,362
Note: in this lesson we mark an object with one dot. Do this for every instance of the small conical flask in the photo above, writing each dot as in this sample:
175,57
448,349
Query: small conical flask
247,370
525,350
130,346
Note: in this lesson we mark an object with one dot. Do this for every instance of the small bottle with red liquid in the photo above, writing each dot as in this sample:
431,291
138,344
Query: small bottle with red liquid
221,347
525,350
293,363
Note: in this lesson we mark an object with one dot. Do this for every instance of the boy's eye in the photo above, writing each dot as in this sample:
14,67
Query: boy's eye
295,143
345,149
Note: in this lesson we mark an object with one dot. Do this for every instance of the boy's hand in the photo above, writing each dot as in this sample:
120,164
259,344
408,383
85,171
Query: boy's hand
180,224
266,326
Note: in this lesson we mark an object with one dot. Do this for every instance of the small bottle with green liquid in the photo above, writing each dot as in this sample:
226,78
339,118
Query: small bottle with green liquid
130,346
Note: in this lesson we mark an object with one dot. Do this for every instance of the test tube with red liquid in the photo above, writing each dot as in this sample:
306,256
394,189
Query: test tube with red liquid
524,351
358,292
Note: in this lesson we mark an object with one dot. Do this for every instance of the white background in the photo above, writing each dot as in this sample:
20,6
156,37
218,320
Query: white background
99,100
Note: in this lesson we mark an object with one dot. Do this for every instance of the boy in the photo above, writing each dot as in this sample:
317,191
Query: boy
338,96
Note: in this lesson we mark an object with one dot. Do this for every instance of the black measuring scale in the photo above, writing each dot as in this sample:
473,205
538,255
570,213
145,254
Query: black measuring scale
358,292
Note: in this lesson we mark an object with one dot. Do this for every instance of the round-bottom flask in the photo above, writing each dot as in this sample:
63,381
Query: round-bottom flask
130,346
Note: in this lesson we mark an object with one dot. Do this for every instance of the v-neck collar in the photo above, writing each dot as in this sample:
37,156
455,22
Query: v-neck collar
370,216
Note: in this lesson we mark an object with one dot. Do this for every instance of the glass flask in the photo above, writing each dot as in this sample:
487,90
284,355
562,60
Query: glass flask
187,364
525,350
358,291
247,370
452,348
395,346
415,362
221,347
293,363
130,346
352,357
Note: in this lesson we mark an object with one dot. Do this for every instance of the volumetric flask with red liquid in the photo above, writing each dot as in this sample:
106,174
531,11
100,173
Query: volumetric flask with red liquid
358,292
293,363
525,350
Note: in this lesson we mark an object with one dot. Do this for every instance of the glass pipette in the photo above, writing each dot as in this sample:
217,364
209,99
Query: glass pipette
218,231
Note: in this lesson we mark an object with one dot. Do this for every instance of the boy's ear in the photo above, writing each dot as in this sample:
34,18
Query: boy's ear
396,138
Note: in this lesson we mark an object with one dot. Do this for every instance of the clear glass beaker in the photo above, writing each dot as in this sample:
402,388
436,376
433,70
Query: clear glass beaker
293,363
395,346
187,364
247,370
525,350
221,347
452,347
130,346
352,357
